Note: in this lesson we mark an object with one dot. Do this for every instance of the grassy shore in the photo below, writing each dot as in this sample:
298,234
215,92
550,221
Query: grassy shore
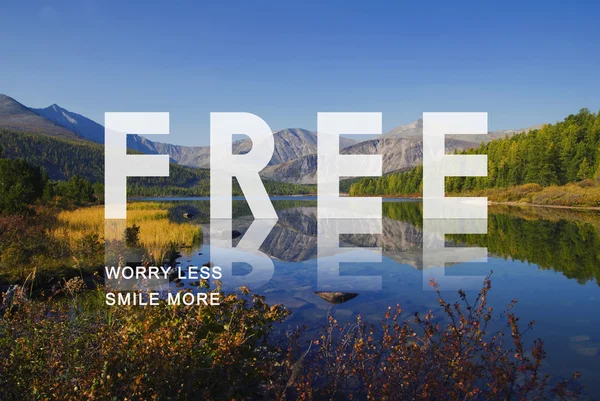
157,233
581,195
584,194
59,244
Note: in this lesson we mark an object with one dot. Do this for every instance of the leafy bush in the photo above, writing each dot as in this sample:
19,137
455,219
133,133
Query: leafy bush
86,350
427,360
20,185
79,348
132,236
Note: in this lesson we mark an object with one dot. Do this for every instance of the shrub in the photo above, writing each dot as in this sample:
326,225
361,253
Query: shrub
86,350
20,185
424,359
132,236
83,349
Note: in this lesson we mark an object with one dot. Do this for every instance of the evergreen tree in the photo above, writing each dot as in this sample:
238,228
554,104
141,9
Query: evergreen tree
557,154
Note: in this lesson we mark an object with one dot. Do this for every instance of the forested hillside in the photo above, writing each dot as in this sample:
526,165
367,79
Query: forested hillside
60,158
401,183
556,154
182,183
64,159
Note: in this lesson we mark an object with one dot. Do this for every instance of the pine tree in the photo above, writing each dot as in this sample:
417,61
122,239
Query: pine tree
584,169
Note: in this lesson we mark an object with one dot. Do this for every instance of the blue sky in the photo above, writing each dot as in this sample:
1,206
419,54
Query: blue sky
523,62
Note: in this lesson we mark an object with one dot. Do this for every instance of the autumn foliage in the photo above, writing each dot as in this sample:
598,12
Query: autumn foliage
77,348
425,358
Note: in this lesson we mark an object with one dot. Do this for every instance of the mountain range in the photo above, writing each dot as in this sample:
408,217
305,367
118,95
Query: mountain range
15,116
294,159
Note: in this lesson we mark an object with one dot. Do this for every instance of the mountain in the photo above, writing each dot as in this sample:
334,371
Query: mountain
91,130
405,131
415,129
298,171
62,159
401,148
294,159
190,156
17,117
290,143
74,122
397,154
293,143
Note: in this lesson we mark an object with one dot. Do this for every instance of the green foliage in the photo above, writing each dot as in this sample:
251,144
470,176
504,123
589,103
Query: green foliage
64,159
196,182
132,236
76,190
82,165
98,189
61,158
88,251
20,185
25,244
552,155
557,154
402,183
346,183
563,246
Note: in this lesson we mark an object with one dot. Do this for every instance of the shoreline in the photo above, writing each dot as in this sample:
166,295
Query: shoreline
510,203
525,204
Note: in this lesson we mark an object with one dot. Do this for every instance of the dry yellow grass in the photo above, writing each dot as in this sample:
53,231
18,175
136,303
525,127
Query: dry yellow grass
157,233
581,194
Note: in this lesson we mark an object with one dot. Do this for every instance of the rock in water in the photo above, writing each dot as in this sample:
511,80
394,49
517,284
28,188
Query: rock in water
337,297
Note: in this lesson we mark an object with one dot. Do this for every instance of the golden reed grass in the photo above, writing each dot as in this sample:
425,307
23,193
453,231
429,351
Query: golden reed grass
157,232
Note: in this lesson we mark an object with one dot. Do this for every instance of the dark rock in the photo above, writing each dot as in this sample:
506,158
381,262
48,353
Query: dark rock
337,297
179,284
208,264
173,273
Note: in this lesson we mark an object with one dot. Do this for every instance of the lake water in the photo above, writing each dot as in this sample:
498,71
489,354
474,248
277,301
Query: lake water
548,259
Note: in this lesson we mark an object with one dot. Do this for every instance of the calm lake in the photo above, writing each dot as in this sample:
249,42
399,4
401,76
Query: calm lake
548,259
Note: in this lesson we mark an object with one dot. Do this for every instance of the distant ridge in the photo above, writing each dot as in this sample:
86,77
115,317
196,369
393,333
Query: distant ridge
397,154
415,129
17,117
290,143
294,159
74,122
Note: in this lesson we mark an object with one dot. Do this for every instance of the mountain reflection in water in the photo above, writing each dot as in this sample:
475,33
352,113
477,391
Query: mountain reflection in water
562,240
